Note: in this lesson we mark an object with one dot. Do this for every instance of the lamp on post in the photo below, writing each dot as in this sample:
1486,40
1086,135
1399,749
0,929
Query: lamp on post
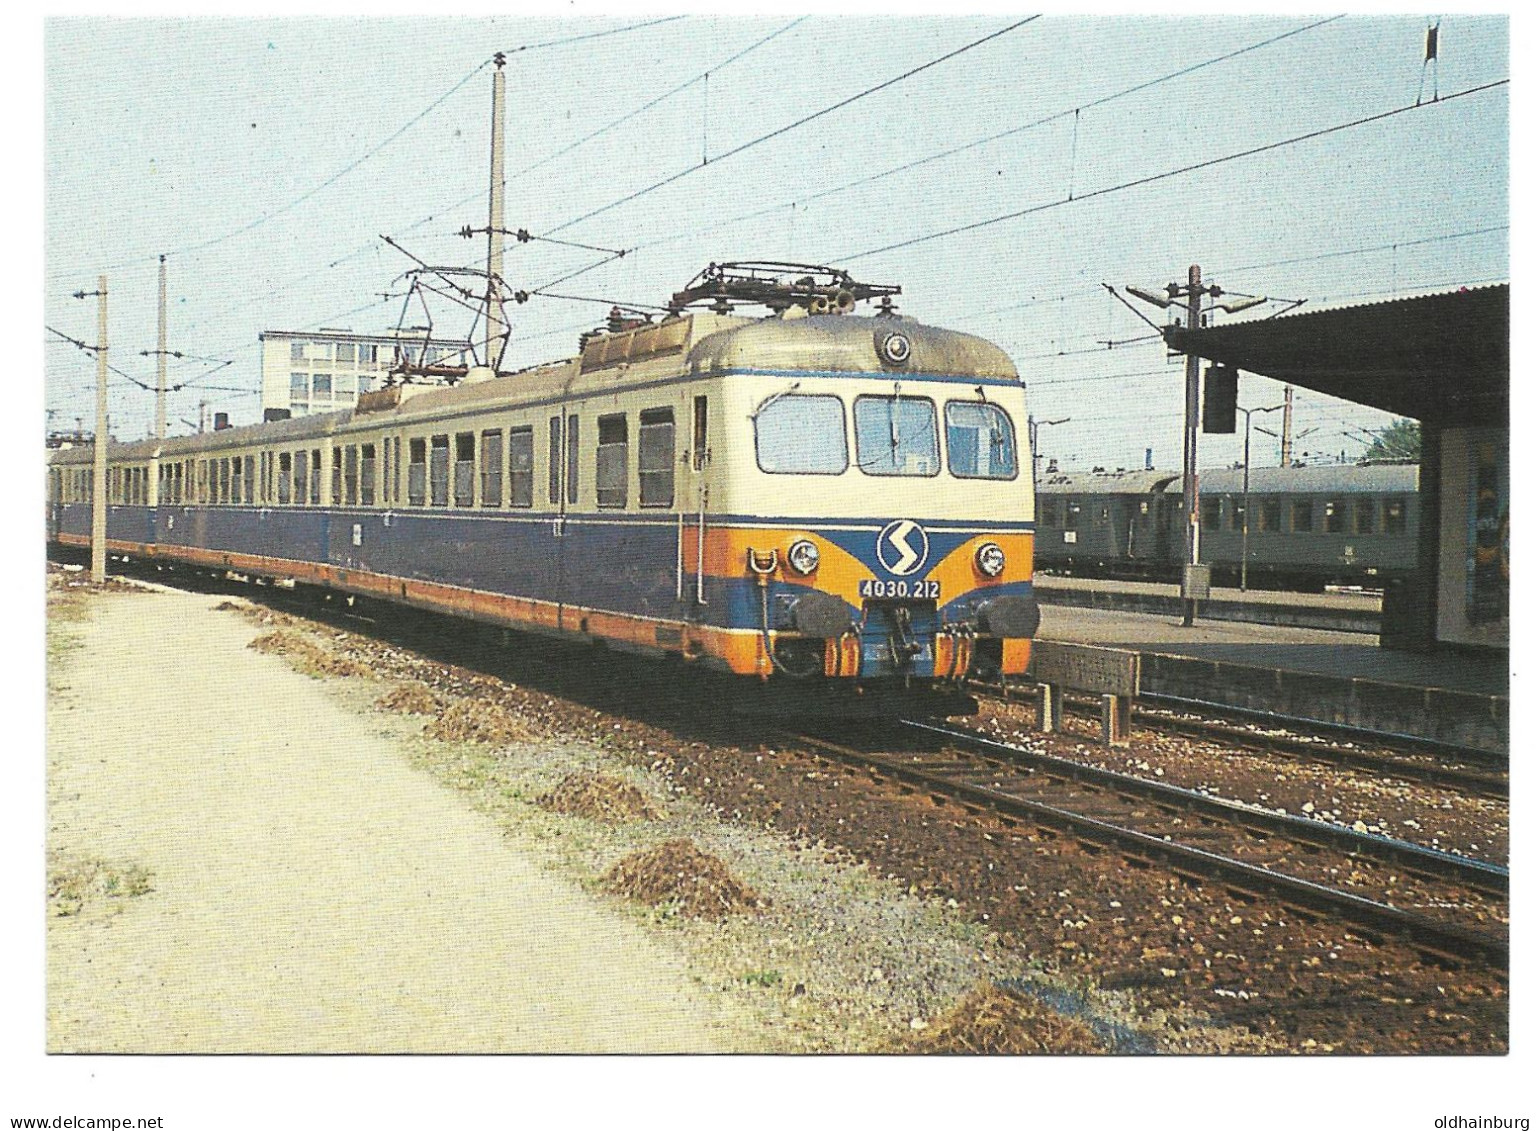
1246,489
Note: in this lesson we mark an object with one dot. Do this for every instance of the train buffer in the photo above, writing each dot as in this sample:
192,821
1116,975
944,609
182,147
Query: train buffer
1112,673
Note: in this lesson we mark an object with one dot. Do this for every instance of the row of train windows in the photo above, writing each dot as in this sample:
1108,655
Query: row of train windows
1361,516
805,434
489,468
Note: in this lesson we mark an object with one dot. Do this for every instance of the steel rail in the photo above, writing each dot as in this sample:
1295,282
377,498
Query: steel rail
1449,941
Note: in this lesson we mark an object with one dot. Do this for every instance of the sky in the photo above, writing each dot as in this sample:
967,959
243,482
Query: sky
267,158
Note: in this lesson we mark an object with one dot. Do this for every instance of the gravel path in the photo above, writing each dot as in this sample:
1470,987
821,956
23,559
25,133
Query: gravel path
304,904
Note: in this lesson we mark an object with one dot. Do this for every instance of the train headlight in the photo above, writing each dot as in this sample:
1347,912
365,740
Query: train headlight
803,556
990,559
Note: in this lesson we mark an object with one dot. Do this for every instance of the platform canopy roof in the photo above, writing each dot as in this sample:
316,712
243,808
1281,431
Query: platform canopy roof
1440,358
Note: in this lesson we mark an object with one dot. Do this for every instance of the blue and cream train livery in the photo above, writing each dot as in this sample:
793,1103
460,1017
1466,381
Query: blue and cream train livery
804,497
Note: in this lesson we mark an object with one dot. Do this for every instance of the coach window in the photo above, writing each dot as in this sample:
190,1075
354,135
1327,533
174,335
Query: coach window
301,466
1395,516
315,476
1270,515
1301,516
1363,516
1048,513
572,460
465,468
655,457
980,443
417,473
1335,519
521,467
1210,512
176,484
224,481
237,482
492,468
285,478
438,471
350,474
897,436
1237,512
251,479
610,461
555,464
366,475
1071,515
801,435
336,476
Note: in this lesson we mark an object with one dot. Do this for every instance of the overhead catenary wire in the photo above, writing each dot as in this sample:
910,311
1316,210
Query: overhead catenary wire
788,127
1154,178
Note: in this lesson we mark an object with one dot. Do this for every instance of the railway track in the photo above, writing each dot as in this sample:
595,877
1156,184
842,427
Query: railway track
1476,773
1317,869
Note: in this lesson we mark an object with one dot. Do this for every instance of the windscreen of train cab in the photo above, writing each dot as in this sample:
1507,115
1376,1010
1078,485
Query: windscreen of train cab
801,434
897,436
980,443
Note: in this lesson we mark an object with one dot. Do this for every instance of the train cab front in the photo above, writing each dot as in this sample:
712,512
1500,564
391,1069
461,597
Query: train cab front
910,606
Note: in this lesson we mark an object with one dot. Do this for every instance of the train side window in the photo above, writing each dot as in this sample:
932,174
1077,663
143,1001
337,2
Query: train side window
1237,512
897,436
572,460
655,457
1301,516
1270,515
521,466
555,467
610,461
177,484
350,475
224,481
315,477
237,482
1395,516
1071,515
1363,516
438,471
301,477
980,442
417,473
492,468
1208,512
366,475
698,450
1335,519
336,477
251,479
285,478
801,434
1048,513
465,469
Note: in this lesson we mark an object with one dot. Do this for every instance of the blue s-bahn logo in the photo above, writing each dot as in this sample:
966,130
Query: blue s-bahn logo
902,547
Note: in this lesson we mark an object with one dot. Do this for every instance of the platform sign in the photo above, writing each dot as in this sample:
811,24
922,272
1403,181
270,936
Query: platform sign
1085,667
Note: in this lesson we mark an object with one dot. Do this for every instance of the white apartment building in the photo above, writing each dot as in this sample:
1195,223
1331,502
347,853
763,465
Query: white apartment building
314,371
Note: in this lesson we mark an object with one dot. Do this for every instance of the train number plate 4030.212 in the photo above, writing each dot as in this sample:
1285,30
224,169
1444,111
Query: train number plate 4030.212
912,590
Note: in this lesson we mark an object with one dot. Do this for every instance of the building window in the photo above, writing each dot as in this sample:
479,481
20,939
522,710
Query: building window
1270,515
610,461
367,355
655,457
492,469
366,476
438,471
299,408
417,473
465,468
345,352
1395,516
296,351
321,385
299,386
521,467
1301,516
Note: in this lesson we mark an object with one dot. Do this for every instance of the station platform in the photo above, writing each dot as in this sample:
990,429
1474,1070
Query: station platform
1460,698
1344,611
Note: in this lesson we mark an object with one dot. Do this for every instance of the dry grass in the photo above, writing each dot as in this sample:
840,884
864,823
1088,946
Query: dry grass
470,720
687,880
599,797
72,882
307,656
993,1021
413,698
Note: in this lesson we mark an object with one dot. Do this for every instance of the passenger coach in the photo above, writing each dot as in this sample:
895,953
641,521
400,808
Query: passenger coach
806,496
